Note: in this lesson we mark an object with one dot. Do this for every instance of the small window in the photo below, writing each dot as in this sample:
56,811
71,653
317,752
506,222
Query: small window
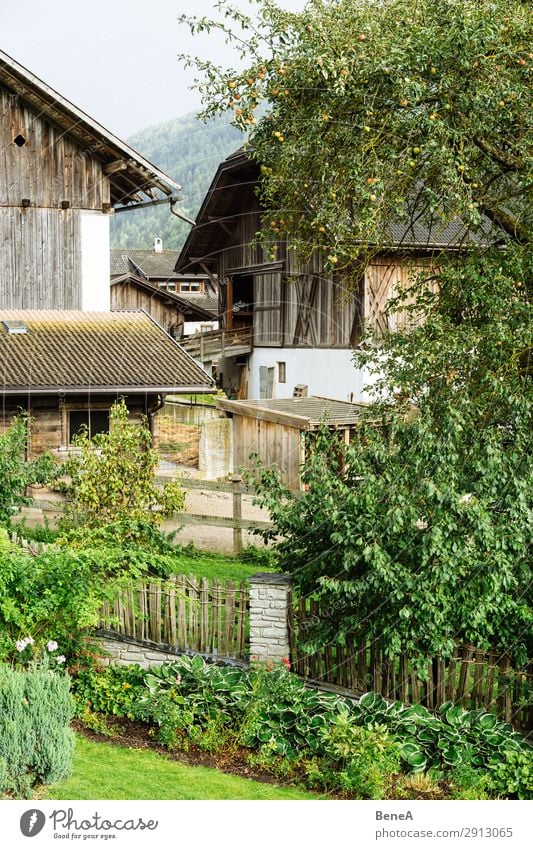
171,287
96,421
185,287
282,373
204,328
195,287
19,140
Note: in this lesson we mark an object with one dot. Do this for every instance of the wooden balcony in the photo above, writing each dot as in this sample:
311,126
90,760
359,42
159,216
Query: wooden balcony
216,344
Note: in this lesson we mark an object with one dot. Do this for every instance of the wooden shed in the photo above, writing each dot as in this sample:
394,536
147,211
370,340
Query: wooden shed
278,430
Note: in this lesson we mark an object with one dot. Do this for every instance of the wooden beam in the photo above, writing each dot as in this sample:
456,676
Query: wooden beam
113,167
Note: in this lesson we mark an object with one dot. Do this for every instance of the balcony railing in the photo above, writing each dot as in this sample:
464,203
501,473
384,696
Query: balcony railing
215,344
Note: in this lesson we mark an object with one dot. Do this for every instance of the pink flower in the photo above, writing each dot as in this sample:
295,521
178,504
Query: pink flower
20,645
178,678
286,662
51,645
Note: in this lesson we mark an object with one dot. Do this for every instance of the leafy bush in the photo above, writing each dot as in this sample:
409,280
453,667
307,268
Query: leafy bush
295,731
58,594
16,472
361,761
112,477
36,744
511,774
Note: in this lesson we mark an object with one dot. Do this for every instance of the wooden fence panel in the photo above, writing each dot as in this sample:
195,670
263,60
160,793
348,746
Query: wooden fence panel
192,615
471,677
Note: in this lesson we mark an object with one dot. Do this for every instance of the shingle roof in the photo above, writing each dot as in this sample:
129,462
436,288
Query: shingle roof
76,351
304,413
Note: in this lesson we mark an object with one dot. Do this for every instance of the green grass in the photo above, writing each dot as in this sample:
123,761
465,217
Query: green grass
106,771
217,567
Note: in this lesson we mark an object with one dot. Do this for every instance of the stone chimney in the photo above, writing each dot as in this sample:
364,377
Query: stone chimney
158,246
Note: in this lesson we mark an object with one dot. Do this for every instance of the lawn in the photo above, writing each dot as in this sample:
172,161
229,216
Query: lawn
217,567
107,771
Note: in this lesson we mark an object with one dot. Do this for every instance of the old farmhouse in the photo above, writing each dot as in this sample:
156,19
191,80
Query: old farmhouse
64,355
286,329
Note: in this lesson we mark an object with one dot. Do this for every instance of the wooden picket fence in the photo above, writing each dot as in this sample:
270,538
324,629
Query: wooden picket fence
186,613
472,678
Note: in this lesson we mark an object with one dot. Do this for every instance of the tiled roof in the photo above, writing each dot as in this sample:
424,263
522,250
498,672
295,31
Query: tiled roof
153,264
76,351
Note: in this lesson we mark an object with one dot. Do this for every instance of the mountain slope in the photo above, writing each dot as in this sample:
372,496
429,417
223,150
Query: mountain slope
189,151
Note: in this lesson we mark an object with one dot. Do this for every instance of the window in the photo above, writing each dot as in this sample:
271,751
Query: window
204,328
189,287
96,421
171,287
282,373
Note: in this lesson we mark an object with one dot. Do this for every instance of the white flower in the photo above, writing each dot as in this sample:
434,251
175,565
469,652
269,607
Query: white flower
29,641
421,524
60,658
20,645
464,499
178,678
51,645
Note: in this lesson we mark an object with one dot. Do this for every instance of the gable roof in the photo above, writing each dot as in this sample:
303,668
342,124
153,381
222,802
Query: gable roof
232,194
138,174
93,352
192,310
231,191
146,260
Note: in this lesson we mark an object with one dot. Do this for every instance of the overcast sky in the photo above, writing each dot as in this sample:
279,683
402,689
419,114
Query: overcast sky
115,59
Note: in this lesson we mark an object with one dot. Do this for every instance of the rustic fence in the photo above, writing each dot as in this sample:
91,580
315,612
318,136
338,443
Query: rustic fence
186,613
237,489
472,678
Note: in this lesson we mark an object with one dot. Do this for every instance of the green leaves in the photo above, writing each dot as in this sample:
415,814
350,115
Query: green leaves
112,477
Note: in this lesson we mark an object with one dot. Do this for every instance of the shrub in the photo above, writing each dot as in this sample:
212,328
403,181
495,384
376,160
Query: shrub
36,743
16,472
112,477
361,761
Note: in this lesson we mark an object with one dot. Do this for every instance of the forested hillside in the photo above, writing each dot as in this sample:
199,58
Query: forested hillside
189,151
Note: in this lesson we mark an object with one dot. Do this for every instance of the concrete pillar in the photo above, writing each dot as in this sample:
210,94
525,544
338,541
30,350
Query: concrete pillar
269,630
215,457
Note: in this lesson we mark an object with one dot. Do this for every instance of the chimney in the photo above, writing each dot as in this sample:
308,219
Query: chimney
158,246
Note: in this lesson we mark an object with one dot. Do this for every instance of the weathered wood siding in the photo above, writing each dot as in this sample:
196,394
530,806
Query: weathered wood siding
49,167
128,296
40,258
385,278
40,243
49,416
278,445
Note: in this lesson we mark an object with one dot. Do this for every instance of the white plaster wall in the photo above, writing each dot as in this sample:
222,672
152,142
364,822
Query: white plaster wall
327,372
192,327
95,258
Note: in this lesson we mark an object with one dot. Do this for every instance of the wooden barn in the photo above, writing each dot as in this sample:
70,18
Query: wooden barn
64,356
288,328
61,177
66,369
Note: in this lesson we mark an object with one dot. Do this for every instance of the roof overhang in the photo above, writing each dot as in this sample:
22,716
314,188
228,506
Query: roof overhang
106,390
130,174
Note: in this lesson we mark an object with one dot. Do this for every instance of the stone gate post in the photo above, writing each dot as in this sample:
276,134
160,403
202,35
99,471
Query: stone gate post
269,630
